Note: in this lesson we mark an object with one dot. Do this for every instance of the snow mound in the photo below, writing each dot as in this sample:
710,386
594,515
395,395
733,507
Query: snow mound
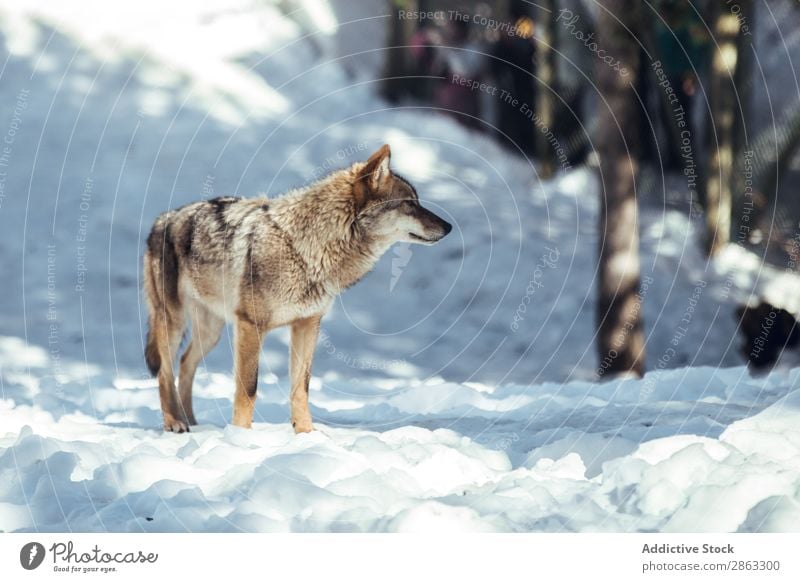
405,456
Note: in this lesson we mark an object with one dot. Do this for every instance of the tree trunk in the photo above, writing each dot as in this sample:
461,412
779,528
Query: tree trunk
394,84
619,309
724,110
546,89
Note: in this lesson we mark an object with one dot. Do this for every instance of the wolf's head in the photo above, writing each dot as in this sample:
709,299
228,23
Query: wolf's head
388,208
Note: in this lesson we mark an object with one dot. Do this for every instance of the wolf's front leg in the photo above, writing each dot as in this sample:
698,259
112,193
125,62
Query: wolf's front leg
248,347
304,341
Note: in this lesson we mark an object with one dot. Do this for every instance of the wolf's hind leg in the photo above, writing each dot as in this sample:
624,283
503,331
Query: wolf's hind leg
206,329
168,331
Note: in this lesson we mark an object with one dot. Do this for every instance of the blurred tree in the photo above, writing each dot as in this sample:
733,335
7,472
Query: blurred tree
513,72
769,214
395,82
619,313
726,29
773,151
681,43
573,63
546,90
745,131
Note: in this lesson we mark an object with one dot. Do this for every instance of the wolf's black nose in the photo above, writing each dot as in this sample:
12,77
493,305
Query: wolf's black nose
447,227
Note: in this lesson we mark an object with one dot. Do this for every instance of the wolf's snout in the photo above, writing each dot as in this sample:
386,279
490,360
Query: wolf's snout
444,228
439,229
430,228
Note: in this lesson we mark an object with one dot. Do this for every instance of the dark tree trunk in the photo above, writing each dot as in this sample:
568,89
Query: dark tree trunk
546,88
395,85
743,217
619,309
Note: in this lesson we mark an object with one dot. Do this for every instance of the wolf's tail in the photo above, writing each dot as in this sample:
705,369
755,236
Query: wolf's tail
151,355
160,271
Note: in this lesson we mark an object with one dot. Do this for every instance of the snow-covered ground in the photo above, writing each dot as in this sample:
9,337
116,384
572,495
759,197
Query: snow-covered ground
681,450
437,384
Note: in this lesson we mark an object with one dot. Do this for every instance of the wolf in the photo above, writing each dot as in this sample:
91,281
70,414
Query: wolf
263,263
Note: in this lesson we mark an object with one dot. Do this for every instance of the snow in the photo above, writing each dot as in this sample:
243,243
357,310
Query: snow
454,387
682,450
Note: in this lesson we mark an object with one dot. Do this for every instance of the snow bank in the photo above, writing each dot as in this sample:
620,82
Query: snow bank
684,450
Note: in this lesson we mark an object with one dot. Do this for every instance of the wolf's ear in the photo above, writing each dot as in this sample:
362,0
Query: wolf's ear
376,171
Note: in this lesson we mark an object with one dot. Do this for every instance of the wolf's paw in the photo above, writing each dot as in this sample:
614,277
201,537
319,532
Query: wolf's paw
172,424
303,425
